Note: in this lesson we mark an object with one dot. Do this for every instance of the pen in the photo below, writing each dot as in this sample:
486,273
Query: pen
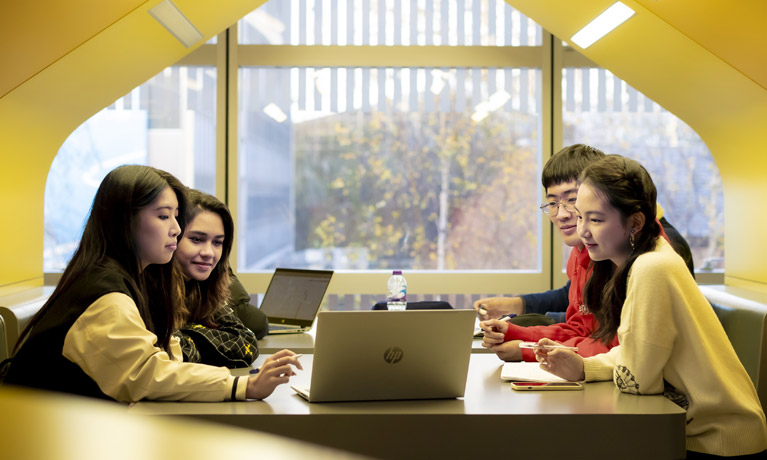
535,345
482,311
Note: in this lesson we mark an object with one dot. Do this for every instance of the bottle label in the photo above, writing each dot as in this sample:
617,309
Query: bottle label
397,292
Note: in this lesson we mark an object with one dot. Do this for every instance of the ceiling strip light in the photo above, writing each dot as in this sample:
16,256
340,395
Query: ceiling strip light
168,14
602,25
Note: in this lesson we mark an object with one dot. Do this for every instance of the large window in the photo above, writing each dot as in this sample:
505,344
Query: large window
408,168
419,168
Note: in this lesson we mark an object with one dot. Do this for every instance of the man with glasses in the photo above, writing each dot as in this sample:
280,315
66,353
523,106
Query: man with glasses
559,178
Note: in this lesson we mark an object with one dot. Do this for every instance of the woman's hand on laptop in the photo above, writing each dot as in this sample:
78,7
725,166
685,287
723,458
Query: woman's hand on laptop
276,370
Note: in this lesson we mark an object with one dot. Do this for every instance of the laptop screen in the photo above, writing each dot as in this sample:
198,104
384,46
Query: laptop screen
294,296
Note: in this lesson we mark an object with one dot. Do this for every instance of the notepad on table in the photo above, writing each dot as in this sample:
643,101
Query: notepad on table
527,372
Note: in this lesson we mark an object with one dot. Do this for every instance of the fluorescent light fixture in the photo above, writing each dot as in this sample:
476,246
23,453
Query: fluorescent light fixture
602,25
275,112
168,14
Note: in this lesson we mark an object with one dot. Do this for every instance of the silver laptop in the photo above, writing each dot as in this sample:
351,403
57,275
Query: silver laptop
382,355
293,298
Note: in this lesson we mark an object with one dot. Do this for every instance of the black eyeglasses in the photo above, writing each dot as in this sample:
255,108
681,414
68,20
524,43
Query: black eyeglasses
553,206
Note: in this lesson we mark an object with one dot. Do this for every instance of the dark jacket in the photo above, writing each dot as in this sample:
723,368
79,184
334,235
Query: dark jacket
39,362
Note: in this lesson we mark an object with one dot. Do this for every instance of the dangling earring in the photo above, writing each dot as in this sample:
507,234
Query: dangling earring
631,241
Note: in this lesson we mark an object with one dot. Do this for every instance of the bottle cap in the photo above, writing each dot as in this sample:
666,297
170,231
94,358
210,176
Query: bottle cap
396,272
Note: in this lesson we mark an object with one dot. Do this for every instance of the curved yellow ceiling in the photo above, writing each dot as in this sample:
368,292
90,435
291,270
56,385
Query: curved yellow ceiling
63,62
42,32
735,32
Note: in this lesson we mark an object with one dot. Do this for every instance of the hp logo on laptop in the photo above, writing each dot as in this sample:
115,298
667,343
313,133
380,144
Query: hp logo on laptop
393,355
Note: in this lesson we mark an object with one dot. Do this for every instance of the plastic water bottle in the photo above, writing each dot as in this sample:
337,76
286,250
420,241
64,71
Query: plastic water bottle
397,297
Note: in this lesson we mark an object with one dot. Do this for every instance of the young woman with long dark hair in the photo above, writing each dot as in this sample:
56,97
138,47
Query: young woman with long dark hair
107,329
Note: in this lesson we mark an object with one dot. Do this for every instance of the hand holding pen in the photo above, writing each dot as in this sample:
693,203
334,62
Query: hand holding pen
494,307
559,359
495,330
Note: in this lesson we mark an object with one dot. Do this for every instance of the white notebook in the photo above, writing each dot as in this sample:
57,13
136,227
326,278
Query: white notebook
527,372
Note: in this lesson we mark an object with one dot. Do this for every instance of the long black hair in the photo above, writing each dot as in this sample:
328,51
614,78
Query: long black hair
109,240
203,298
626,186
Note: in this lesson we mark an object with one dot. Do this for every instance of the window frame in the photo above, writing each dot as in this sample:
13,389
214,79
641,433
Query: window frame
419,282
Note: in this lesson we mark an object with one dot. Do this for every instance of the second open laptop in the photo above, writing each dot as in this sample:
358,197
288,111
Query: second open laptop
383,355
293,298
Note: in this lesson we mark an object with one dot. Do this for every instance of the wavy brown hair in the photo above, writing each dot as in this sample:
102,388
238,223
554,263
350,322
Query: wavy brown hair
204,298
626,186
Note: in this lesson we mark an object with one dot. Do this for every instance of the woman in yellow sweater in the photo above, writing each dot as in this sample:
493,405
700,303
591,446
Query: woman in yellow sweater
671,341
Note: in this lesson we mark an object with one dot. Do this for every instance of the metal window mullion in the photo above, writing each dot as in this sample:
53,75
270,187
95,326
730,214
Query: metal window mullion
302,21
476,23
334,32
617,94
381,71
524,90
365,22
444,96
382,23
570,98
461,22
601,91
428,97
429,26
413,22
507,25
460,90
585,90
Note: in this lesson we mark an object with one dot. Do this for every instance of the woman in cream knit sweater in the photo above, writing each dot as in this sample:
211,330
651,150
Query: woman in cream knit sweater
671,341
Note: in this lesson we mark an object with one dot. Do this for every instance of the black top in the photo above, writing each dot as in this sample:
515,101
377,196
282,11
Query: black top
39,362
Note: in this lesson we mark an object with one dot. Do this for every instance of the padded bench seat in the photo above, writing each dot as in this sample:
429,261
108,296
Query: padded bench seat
743,314
15,311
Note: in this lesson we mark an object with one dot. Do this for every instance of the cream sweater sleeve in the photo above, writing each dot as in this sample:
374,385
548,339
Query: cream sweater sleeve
111,344
647,330
600,367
